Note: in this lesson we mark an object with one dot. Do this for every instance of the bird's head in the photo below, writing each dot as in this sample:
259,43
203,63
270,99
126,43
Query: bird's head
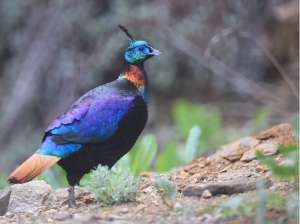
138,50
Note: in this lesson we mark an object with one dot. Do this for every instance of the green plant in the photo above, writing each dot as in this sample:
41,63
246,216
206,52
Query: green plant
169,189
289,169
111,188
140,156
246,205
168,159
3,182
191,147
209,119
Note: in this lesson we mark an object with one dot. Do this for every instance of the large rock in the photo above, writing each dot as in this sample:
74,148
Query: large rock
80,193
29,196
229,187
4,200
269,148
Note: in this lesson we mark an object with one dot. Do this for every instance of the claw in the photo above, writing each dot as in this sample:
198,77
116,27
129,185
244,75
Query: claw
71,200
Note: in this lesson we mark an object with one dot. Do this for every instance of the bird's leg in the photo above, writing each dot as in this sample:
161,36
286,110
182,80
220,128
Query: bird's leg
71,199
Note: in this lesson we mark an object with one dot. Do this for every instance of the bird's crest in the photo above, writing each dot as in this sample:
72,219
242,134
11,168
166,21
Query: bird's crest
130,37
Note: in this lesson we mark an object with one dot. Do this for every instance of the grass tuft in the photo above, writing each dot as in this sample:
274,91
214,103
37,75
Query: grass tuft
110,188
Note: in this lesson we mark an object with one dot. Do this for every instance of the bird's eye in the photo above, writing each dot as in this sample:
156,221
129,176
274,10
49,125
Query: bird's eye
141,48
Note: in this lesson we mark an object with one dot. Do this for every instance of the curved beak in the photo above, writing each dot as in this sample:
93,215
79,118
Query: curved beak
154,52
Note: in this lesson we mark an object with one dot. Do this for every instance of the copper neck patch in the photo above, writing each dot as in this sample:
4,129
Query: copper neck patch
135,74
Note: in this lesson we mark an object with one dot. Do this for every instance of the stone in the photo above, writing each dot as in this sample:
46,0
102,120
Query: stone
225,169
249,156
4,200
199,177
29,196
229,187
50,211
146,174
63,216
80,192
124,210
268,148
49,220
206,194
249,143
177,206
140,207
205,217
87,200
232,156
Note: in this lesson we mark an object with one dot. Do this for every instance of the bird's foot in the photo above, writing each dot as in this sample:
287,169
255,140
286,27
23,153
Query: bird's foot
71,200
71,203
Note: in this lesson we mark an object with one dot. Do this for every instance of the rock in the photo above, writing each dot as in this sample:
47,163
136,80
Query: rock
49,220
50,211
232,147
249,143
146,174
140,207
63,216
269,148
199,177
177,206
29,196
206,194
249,156
124,210
225,169
205,217
80,192
4,200
87,200
232,156
229,187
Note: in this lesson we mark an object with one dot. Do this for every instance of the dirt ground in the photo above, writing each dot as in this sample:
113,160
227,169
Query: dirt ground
224,165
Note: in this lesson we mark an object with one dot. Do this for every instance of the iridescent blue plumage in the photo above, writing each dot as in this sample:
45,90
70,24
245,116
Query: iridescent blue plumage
87,121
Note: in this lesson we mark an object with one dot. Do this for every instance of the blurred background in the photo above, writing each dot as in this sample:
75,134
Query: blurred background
229,66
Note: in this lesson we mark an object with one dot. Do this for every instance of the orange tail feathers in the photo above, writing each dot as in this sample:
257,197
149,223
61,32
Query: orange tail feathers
32,167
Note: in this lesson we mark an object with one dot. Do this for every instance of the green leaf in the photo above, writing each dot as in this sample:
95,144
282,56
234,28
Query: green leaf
296,127
145,154
265,160
284,172
289,150
231,203
280,171
168,158
122,164
191,148
209,118
167,186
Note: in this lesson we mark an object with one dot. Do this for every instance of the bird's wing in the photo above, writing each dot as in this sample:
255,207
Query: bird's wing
75,112
90,120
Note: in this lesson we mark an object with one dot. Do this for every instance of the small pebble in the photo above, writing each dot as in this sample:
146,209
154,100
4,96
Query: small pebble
206,194
177,206
124,210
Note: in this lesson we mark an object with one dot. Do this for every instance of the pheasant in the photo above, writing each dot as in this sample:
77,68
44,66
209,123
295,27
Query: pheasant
100,127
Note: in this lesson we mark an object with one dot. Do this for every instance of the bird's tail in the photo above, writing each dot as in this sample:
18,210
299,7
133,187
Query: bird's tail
32,167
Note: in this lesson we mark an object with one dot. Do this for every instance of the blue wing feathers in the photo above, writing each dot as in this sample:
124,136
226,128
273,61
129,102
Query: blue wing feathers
88,120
